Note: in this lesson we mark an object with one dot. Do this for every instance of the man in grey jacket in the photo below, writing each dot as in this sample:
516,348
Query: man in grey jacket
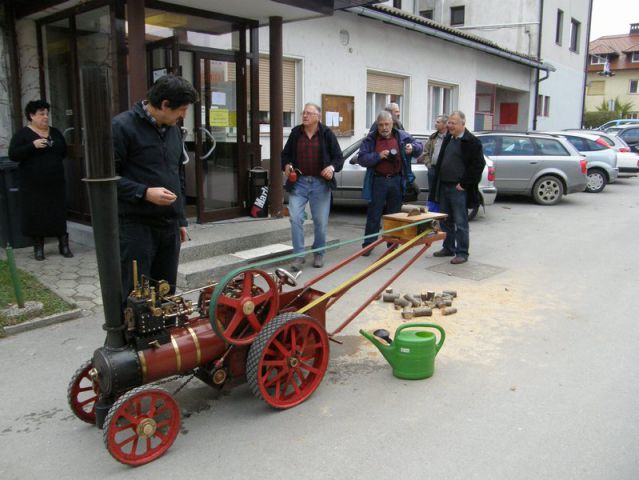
147,145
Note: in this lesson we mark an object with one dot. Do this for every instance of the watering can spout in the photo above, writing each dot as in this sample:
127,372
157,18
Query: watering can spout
384,349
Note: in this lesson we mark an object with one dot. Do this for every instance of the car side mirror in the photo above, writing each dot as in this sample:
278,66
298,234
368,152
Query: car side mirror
354,160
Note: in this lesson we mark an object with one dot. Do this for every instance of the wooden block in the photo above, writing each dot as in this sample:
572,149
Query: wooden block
402,219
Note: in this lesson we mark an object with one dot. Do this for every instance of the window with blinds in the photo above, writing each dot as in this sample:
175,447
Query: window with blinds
288,91
381,90
387,84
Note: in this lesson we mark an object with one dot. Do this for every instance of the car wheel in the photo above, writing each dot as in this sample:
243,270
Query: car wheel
596,181
472,213
548,190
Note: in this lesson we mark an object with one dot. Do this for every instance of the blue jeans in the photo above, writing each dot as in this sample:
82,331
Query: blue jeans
386,196
455,226
317,192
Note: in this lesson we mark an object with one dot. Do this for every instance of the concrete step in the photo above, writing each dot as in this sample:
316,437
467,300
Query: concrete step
197,273
221,238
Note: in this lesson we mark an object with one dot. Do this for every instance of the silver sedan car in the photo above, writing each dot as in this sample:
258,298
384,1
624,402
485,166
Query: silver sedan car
627,160
537,165
602,159
351,179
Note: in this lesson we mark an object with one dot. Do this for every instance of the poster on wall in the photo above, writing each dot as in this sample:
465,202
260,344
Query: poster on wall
219,117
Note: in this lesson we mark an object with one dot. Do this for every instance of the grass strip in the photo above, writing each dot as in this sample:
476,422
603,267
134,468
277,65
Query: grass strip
33,291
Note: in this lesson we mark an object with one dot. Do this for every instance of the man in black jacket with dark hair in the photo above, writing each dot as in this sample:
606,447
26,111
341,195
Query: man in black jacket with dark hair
148,158
310,159
457,174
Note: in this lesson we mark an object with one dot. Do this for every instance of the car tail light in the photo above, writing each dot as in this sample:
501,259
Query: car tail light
584,165
602,142
624,149
637,163
491,174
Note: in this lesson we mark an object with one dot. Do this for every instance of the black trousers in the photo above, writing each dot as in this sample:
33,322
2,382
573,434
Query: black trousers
156,249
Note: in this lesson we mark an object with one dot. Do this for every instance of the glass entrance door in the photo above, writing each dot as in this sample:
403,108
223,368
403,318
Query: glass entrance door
220,138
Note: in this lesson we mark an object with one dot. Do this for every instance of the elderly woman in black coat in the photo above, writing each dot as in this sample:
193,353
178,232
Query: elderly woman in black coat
40,150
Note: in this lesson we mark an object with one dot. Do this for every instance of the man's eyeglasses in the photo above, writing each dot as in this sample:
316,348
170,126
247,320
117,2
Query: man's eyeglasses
309,113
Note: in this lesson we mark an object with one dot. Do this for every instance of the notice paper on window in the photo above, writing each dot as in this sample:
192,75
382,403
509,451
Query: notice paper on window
332,119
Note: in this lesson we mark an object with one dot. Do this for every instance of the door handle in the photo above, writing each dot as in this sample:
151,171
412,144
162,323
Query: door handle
533,163
210,135
185,132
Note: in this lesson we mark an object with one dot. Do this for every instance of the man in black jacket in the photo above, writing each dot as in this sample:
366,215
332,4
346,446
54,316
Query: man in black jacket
310,159
457,174
148,158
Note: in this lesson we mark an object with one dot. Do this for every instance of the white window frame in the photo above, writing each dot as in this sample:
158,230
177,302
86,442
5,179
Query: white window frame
636,90
634,58
575,35
376,102
598,59
559,28
438,103
457,8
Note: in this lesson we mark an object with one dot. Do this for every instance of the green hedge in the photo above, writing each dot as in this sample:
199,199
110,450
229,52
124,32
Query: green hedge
595,119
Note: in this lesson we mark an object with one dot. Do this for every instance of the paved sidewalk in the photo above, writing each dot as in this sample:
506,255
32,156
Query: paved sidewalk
75,279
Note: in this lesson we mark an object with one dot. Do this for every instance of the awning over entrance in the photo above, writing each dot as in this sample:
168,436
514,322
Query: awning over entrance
259,10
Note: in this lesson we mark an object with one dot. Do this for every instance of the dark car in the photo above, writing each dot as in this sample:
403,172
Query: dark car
629,133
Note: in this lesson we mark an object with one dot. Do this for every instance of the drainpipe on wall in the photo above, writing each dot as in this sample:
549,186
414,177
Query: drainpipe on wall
541,25
586,57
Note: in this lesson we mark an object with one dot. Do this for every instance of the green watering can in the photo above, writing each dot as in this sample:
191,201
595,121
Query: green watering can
412,353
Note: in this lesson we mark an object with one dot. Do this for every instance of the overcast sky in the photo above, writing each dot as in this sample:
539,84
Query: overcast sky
613,17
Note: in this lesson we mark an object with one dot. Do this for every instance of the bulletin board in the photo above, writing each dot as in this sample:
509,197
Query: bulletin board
338,113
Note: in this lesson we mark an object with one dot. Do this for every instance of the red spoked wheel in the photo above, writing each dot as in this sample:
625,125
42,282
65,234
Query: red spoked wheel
287,361
244,307
141,425
82,393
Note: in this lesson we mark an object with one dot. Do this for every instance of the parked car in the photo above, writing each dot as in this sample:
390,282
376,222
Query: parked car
541,166
616,123
627,160
602,159
629,134
351,178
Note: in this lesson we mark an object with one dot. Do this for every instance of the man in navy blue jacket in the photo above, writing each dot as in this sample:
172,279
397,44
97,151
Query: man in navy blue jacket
386,154
310,159
147,144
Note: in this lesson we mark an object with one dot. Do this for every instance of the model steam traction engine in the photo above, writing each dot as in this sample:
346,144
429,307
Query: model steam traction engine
246,327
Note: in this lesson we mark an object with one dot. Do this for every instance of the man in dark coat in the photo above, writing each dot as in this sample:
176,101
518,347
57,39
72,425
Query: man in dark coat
147,144
457,174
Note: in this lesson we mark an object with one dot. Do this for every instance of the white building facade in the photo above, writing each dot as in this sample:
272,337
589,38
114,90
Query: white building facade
375,62
554,31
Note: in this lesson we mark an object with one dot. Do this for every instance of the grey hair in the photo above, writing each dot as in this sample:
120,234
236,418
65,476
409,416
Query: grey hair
389,106
460,114
384,115
314,105
443,118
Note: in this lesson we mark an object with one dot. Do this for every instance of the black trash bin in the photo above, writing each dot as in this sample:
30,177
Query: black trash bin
10,210
258,192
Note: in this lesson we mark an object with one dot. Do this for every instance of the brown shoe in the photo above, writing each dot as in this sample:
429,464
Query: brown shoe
444,252
458,260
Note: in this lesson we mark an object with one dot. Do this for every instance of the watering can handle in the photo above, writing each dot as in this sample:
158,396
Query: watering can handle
425,325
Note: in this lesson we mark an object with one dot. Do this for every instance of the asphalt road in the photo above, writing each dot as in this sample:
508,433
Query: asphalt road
537,379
